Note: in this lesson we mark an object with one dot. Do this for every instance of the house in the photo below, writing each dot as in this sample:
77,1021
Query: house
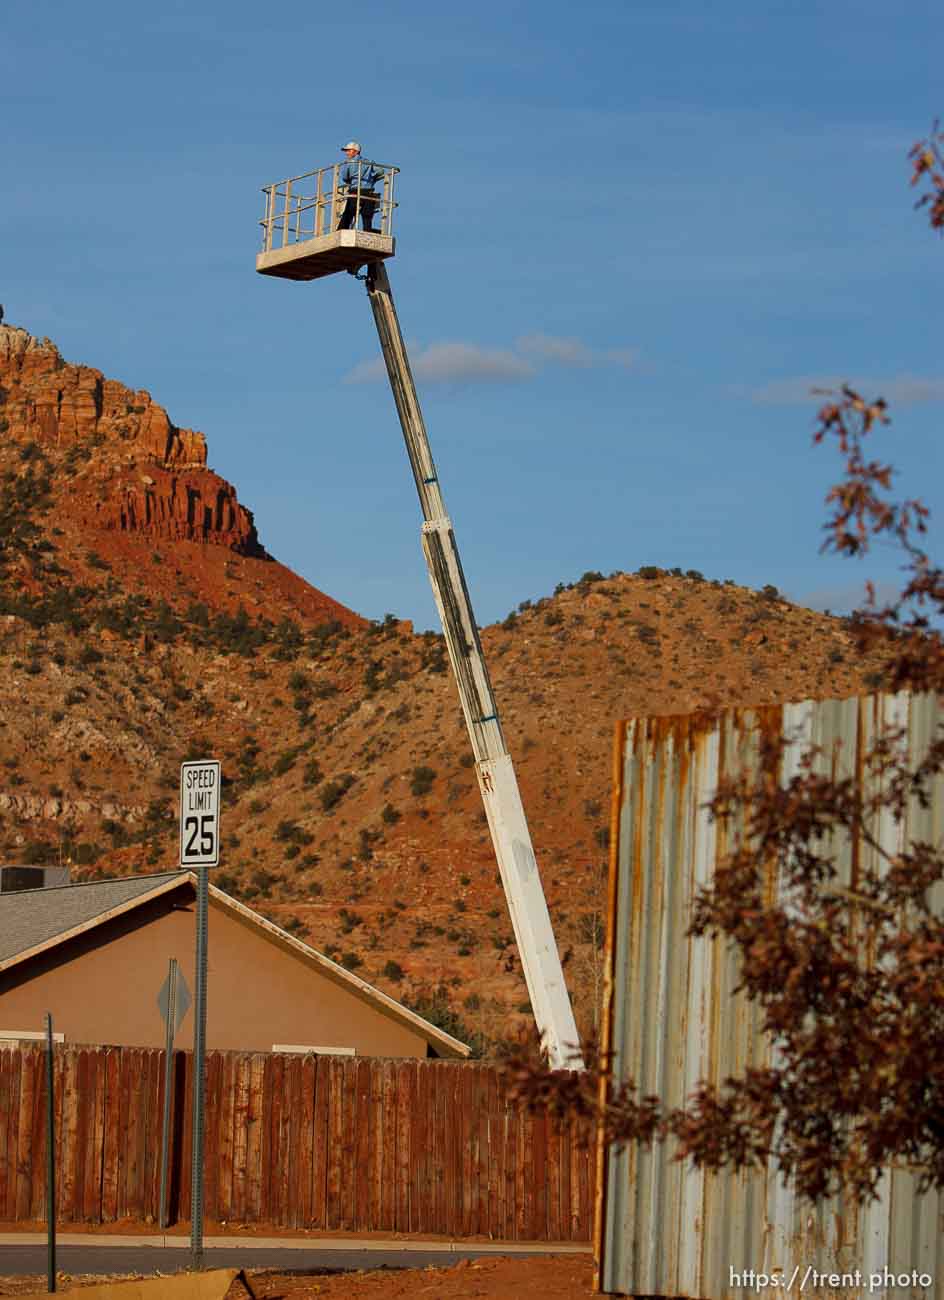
95,954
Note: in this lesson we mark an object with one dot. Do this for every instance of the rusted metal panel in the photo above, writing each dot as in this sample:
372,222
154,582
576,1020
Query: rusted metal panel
671,1018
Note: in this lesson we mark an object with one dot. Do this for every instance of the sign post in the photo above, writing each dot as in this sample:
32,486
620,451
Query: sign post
173,1002
199,848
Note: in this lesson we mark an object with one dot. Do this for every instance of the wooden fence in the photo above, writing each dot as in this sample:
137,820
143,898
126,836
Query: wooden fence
355,1144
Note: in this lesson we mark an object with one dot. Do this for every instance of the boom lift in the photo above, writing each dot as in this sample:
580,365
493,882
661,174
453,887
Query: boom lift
302,241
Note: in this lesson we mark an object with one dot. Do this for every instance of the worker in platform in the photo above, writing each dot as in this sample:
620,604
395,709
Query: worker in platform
356,173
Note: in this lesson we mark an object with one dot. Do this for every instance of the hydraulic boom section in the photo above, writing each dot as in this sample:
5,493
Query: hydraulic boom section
497,782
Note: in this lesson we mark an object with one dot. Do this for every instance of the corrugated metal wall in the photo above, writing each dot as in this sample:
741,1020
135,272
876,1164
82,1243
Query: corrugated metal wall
664,1228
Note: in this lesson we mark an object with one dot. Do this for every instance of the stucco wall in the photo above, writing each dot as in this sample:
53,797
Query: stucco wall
103,987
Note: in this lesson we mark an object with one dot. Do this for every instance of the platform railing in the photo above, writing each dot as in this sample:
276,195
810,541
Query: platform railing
308,206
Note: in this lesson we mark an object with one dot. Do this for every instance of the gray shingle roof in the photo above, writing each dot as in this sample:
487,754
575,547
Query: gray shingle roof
31,916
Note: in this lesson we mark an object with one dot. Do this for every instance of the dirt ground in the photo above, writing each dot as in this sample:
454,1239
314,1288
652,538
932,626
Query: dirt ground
496,1278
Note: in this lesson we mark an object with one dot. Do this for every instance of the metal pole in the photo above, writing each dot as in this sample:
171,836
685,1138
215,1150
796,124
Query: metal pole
168,1071
199,1056
50,1162
498,784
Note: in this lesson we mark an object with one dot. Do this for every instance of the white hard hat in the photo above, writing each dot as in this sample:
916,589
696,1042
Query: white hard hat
352,144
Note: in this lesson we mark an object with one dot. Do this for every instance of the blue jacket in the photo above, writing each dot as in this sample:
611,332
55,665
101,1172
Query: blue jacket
369,174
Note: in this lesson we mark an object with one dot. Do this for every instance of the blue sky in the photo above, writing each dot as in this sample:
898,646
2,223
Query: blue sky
632,235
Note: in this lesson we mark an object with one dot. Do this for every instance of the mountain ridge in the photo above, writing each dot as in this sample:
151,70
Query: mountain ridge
351,811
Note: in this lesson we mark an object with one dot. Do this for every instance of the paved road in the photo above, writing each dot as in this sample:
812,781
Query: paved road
20,1260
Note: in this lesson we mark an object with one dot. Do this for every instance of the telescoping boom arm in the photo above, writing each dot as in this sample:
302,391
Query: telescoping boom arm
497,782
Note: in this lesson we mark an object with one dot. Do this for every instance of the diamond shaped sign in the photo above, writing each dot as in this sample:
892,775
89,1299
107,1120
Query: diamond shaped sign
182,1000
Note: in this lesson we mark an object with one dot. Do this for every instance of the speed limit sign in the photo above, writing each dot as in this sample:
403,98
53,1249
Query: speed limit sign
200,813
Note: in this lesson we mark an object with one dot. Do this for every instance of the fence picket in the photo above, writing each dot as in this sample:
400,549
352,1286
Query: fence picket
265,1101
111,1135
335,1153
10,1063
420,1138
405,1076
306,1143
37,1201
389,1162
348,1109
362,1140
226,1103
24,1145
292,1193
319,1161
69,1135
378,1140
211,1178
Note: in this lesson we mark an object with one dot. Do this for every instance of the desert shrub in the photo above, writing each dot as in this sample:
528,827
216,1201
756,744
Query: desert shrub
263,881
434,657
289,640
89,655
335,790
288,831
349,920
389,814
323,636
433,1005
422,780
393,971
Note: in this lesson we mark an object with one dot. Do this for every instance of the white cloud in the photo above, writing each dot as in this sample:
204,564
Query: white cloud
903,389
442,363
456,362
624,357
545,347
445,363
366,372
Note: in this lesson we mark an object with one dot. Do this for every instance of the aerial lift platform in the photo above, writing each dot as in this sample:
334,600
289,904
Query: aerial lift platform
301,241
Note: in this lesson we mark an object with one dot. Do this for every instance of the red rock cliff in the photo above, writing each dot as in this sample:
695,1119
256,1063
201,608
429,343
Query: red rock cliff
134,470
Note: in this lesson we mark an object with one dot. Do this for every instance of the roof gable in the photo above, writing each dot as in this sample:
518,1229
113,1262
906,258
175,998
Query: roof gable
35,920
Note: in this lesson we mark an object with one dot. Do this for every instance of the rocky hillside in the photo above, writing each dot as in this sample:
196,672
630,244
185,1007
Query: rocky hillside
142,622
